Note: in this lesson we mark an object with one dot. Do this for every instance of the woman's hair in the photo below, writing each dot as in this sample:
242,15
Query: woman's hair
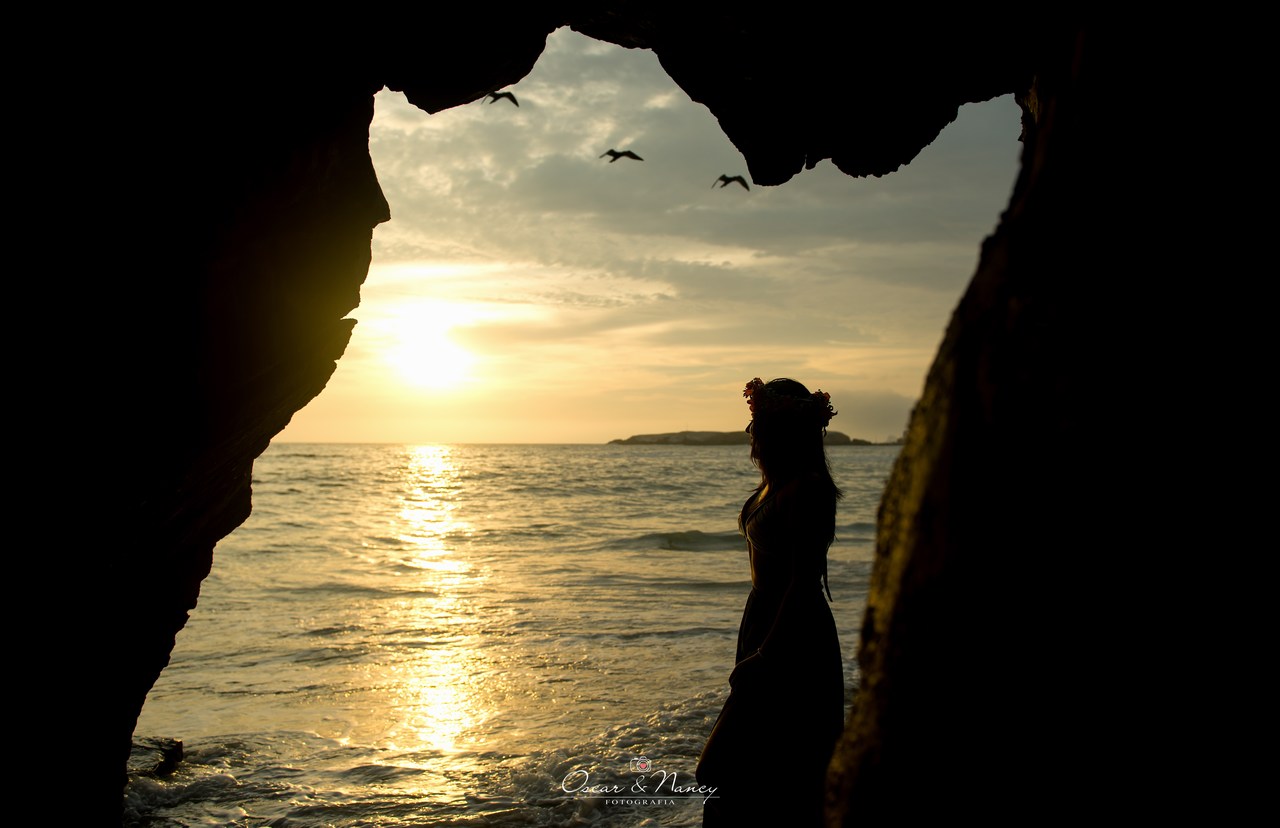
787,427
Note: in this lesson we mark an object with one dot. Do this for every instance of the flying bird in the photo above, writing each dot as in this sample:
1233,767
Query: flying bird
494,97
726,180
614,155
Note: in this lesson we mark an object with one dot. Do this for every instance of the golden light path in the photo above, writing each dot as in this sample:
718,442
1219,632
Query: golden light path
439,683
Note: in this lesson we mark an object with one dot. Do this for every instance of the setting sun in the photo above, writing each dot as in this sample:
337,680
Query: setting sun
420,349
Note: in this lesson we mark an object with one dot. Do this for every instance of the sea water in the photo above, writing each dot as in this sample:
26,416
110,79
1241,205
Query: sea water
481,635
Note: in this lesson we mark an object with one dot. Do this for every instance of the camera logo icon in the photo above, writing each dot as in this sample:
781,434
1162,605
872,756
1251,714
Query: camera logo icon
641,764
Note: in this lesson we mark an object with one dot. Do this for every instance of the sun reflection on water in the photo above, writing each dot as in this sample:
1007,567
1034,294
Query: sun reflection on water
438,677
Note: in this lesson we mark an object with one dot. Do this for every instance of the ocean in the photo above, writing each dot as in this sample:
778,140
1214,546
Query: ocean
478,635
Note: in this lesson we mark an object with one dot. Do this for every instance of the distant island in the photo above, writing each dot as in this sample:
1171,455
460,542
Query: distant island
721,438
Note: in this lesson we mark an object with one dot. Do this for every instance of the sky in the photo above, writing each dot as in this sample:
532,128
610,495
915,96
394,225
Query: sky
528,291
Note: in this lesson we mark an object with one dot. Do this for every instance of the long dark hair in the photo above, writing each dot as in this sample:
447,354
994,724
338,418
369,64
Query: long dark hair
787,427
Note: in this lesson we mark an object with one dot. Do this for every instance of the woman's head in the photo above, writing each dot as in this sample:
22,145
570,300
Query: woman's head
787,426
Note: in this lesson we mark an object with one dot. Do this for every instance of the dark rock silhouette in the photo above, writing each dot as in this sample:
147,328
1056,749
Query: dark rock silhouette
614,155
155,757
494,97
726,180
686,438
206,273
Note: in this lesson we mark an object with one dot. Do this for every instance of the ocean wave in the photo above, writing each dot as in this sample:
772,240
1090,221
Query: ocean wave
292,779
321,632
687,632
349,589
691,540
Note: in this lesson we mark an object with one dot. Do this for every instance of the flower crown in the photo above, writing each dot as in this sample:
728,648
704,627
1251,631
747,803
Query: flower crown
761,400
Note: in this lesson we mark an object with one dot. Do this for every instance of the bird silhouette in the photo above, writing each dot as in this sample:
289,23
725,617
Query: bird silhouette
614,155
726,180
494,97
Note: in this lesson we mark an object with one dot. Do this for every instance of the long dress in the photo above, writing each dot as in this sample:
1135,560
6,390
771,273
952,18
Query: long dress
768,751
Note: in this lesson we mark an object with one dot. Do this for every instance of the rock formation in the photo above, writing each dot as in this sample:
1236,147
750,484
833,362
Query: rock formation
220,199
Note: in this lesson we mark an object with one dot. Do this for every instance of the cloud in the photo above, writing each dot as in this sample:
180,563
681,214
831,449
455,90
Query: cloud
641,275
871,415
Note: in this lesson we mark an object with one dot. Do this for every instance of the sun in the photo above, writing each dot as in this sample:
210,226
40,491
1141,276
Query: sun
419,348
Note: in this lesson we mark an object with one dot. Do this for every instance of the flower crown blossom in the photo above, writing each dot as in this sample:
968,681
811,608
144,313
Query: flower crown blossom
760,398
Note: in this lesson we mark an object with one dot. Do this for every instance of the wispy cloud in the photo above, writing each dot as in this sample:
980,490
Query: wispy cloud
594,283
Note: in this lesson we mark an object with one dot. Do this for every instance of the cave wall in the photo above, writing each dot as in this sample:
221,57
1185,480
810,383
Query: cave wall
226,242
231,203
984,603
1022,638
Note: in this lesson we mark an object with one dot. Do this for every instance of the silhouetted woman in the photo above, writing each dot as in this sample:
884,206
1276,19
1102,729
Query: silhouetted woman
769,749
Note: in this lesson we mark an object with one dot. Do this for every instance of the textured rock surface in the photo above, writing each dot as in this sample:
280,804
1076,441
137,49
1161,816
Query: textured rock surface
793,89
1001,675
223,203
226,233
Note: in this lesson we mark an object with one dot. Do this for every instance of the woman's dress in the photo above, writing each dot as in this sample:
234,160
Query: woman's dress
768,752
